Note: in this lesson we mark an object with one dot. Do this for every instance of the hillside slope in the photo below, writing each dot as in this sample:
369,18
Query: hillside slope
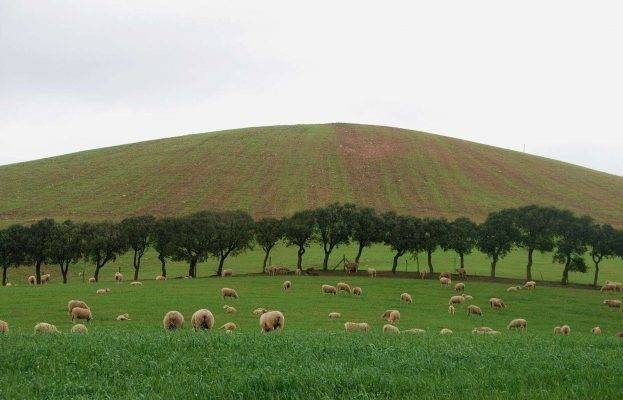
278,170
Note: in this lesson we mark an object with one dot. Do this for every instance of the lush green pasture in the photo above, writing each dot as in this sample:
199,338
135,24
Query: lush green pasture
313,357
378,256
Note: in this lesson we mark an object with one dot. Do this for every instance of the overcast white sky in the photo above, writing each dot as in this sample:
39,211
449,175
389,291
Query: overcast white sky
83,74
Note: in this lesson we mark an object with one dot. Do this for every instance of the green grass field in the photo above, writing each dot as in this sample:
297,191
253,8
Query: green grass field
313,357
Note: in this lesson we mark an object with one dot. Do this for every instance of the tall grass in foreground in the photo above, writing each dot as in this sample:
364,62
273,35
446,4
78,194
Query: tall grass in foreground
298,365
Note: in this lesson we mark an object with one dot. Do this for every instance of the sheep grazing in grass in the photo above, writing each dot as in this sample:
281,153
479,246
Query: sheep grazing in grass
496,303
298,272
287,285
173,320
334,315
8,284
79,328
518,323
229,309
445,274
596,331
608,287
461,273
456,300
371,272
161,278
123,317
445,282
202,319
356,327
102,291
343,287
32,280
136,283
118,277
613,303
423,274
406,297
414,330
357,291
44,327
92,280
329,289
512,289
228,292
4,327
391,316
227,272
475,310
272,321
259,311
467,296
481,329
557,330
45,278
459,287
530,285
445,331
74,304
451,310
81,313
387,328
565,329
230,326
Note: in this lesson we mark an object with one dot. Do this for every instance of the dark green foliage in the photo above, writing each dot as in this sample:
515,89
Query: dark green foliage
67,246
38,244
335,225
165,230
461,237
138,232
367,228
12,245
403,233
497,236
233,234
103,243
298,231
194,239
435,235
571,241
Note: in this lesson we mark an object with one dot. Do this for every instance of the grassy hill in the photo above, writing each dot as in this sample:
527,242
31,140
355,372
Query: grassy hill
280,169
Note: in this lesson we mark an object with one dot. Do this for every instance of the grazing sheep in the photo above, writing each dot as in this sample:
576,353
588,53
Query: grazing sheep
456,300
227,272
4,327
423,274
496,303
272,321
45,278
136,283
445,274
565,329
461,273
81,313
530,285
371,272
230,326
173,320
481,329
161,278
406,297
32,280
596,330
102,291
298,272
202,319
512,289
445,331
619,286
467,296
123,317
75,303
229,309
445,281
334,315
392,316
341,286
259,311
357,291
329,289
351,267
8,284
459,287
472,309
79,328
228,292
287,285
451,310
356,327
118,277
608,287
613,303
92,280
518,323
387,328
44,327
414,330
557,330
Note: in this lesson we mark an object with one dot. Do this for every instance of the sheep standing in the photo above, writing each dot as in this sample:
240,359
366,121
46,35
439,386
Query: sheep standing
387,328
328,289
423,274
32,280
512,289
445,331
81,313
102,291
391,316
227,272
565,329
459,287
467,296
272,320
343,287
287,285
518,323
75,303
456,300
557,330
92,280
357,291
173,320
445,282
461,273
475,310
118,277
613,303
4,327
356,327
202,319
609,287
596,330
123,317
496,303
79,328
530,285
44,327
161,278
406,297
229,309
229,327
45,278
229,292
334,315
371,272
451,310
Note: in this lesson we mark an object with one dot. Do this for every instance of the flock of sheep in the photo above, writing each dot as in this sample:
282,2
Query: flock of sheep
272,320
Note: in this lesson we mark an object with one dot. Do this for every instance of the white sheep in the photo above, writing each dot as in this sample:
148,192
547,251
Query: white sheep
81,313
118,277
341,286
173,320
406,297
229,309
202,319
272,320
391,316
123,317
4,327
92,280
445,282
32,280
414,330
459,287
456,300
451,310
136,283
227,272
387,328
445,331
102,291
472,309
530,285
328,289
161,278
229,292
334,315
44,327
229,327
596,330
357,291
75,303
287,285
518,323
371,272
79,328
357,327
565,329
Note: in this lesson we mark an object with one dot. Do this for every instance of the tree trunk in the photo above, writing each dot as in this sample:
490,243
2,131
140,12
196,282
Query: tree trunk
192,268
325,262
359,251
221,261
596,273
565,272
429,254
299,261
96,275
64,270
395,264
4,275
462,260
494,262
137,264
38,272
136,273
529,266
163,265
266,255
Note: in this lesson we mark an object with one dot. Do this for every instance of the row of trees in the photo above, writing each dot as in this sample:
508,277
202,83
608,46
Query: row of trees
197,237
